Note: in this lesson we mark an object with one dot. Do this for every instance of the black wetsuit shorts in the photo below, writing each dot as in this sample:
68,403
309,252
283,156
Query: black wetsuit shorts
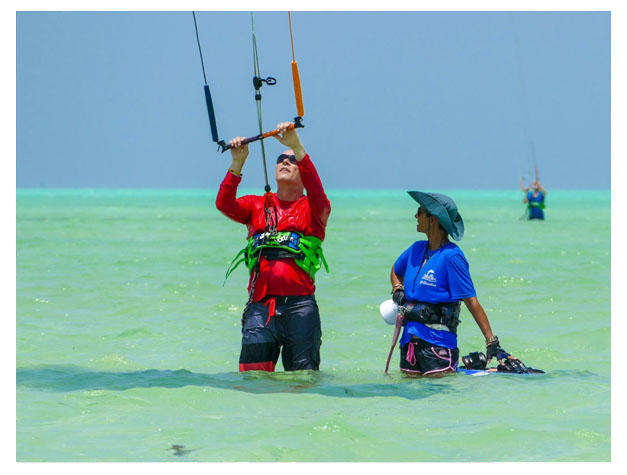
290,326
421,357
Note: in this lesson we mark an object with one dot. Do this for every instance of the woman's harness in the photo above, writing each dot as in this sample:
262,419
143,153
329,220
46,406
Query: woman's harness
440,316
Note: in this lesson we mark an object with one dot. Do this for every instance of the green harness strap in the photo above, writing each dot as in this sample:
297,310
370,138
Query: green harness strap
305,250
535,204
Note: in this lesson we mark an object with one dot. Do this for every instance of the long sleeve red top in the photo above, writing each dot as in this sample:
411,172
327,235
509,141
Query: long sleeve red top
307,215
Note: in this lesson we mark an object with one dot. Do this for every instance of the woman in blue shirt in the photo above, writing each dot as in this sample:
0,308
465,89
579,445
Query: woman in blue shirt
430,280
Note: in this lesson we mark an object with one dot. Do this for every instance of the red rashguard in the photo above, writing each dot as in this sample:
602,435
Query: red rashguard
307,215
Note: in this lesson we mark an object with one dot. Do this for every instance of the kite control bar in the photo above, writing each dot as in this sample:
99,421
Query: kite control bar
297,124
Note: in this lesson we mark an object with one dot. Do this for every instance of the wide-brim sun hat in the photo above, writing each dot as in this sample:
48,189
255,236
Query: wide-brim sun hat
444,208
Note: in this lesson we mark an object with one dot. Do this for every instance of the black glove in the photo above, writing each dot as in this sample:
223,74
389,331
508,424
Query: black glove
494,350
399,297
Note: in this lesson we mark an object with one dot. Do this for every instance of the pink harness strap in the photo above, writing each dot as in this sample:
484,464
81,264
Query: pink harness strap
411,354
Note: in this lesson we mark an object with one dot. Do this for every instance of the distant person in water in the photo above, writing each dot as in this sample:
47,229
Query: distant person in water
535,195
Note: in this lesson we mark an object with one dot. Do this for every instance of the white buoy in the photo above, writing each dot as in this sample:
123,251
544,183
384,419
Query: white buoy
389,310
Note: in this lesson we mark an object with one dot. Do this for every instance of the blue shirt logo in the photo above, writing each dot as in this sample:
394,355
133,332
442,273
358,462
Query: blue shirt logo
429,278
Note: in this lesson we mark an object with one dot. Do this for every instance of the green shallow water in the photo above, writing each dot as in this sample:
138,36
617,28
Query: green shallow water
127,343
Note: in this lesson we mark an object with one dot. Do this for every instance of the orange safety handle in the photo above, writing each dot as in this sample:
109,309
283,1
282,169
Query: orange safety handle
298,95
297,91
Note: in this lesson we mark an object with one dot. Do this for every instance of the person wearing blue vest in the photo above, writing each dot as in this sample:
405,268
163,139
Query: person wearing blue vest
429,281
534,199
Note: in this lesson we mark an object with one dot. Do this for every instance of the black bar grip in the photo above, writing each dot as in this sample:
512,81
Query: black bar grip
212,115
244,142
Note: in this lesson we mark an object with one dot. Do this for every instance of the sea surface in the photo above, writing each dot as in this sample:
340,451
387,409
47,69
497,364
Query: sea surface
127,338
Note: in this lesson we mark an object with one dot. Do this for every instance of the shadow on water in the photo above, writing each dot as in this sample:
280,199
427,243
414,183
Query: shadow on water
67,378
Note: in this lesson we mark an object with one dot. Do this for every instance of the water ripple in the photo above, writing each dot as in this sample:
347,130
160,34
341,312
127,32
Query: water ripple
67,378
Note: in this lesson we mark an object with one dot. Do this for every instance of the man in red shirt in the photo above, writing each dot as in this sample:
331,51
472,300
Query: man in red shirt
285,231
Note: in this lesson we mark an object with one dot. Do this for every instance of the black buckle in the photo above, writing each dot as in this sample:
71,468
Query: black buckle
424,313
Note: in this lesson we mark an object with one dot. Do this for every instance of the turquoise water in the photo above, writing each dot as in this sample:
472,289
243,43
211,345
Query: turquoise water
127,343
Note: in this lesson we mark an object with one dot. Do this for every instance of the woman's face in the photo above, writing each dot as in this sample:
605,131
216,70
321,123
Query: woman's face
423,220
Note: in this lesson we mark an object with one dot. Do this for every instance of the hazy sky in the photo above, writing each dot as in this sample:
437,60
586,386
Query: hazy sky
409,100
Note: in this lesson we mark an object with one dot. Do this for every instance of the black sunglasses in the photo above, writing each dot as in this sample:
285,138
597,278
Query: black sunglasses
283,156
422,210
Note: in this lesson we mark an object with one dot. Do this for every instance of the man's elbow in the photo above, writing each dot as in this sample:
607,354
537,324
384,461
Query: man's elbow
323,217
326,213
220,203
